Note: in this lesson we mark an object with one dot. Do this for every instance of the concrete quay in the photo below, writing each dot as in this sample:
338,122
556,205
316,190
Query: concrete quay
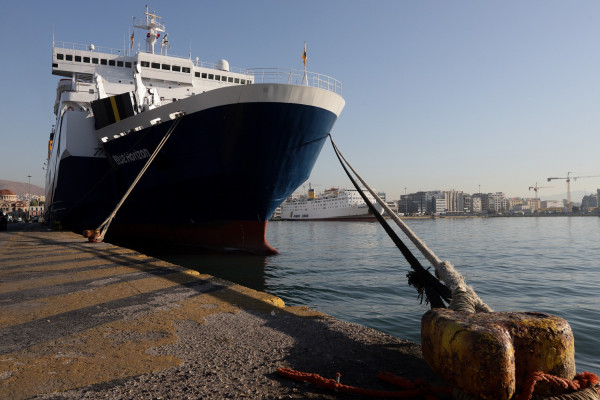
94,320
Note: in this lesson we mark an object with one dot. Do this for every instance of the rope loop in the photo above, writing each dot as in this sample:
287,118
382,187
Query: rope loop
562,386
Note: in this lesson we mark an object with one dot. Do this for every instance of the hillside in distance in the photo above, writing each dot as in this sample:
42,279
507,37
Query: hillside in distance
21,188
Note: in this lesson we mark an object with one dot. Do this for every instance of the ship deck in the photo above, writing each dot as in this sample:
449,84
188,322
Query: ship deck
94,320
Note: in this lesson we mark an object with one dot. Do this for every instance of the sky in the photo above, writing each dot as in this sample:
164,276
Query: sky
494,96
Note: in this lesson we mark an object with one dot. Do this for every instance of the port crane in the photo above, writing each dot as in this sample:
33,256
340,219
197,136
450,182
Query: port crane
536,188
568,179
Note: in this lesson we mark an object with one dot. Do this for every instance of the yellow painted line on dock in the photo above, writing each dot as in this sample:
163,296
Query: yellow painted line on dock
47,307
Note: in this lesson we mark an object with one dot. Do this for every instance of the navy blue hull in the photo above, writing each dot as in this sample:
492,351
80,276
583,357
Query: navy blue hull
223,170
85,192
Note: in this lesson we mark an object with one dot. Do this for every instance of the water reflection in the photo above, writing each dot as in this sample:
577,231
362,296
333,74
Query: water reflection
244,269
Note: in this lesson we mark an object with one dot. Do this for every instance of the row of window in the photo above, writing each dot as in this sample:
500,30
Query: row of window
93,60
221,78
147,64
165,67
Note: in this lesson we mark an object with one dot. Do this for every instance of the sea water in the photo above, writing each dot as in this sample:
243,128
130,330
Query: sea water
353,271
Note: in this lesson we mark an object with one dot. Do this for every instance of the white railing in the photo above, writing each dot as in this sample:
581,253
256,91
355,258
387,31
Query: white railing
296,77
208,65
86,47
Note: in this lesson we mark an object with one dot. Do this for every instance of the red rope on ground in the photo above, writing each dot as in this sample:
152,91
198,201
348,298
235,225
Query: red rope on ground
412,389
581,381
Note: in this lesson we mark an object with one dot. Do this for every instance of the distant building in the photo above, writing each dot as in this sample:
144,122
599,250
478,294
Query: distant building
7,195
552,205
419,202
484,202
430,198
438,203
515,201
534,204
498,202
10,205
454,201
590,202
467,202
406,205
476,204
393,205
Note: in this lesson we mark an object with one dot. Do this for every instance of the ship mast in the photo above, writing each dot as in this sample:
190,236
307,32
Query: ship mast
153,28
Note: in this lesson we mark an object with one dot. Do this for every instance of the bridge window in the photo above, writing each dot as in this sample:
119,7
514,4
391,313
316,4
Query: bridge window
243,81
237,80
111,63
185,69
166,67
127,64
176,68
211,76
78,58
204,75
103,61
230,79
119,63
145,64
69,57
94,60
197,74
86,60
60,56
156,65
217,77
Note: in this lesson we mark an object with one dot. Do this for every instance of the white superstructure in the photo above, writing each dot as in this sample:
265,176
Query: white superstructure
332,204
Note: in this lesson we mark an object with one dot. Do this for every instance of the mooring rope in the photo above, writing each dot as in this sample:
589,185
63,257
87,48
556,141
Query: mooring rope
104,225
444,269
410,389
421,278
464,299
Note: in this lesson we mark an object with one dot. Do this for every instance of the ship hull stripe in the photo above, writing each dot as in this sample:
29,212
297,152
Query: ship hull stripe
113,103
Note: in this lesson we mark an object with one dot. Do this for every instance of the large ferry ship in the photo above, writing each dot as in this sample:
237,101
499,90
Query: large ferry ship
333,205
213,150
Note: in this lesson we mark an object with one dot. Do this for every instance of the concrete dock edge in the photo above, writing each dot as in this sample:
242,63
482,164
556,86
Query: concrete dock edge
94,320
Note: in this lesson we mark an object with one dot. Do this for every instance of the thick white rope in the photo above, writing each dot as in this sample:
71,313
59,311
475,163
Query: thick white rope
444,269
104,226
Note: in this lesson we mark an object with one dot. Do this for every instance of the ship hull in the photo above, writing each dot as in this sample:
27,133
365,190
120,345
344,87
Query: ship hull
214,184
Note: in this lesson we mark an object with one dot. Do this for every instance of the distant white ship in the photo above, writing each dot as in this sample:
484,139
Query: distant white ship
333,204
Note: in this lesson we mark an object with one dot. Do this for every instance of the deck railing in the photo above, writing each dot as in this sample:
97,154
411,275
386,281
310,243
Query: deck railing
296,77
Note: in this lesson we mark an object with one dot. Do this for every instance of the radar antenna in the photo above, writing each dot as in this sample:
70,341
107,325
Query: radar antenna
153,28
